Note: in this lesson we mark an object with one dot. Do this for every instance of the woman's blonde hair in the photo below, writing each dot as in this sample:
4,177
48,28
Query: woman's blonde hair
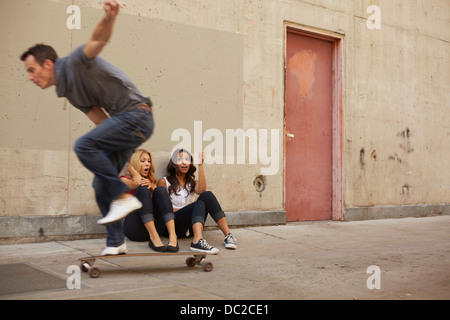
135,161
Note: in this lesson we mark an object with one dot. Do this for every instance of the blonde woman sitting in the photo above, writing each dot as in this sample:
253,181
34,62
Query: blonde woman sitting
147,223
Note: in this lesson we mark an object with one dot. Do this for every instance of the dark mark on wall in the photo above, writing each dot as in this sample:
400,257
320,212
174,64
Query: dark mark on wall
405,133
395,158
406,146
405,189
361,158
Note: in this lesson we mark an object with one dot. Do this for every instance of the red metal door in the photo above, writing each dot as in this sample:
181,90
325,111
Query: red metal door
308,123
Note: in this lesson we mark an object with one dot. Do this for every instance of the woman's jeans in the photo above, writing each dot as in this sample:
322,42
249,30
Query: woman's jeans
197,212
155,207
163,212
104,151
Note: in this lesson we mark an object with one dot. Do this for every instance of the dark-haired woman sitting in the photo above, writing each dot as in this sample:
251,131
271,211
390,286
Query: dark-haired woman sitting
190,215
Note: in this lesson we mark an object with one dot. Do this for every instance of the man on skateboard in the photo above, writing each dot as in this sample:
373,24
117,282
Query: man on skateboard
94,86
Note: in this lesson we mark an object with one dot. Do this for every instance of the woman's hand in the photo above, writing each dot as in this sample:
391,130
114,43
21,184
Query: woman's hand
201,158
200,185
147,183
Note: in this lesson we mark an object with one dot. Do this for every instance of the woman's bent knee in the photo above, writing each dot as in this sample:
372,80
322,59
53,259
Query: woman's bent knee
142,191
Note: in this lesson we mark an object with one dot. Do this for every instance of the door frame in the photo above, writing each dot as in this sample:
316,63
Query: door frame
337,40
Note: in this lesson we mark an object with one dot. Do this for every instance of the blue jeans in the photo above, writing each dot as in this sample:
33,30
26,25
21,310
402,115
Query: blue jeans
104,151
155,207
197,212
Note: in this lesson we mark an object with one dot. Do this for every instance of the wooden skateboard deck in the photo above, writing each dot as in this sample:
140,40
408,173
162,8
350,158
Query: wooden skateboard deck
194,258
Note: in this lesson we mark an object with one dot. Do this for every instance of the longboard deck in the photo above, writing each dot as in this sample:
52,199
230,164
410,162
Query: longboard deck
150,254
195,258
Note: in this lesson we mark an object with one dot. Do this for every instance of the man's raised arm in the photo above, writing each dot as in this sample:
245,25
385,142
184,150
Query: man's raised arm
103,31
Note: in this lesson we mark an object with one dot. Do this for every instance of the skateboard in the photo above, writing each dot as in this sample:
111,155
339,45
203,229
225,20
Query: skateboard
194,258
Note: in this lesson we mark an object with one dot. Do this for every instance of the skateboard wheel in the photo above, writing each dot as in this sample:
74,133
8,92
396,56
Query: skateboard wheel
94,272
207,266
191,262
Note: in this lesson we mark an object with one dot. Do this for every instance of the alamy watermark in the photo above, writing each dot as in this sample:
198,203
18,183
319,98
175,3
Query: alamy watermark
374,20
74,20
236,146
74,280
374,281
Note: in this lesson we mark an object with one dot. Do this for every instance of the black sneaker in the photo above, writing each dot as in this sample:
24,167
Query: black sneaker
203,246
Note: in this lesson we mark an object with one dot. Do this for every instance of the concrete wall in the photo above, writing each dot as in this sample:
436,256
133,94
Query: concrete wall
397,120
221,62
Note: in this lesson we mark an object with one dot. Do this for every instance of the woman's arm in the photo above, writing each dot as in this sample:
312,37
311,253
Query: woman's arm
162,183
134,182
200,185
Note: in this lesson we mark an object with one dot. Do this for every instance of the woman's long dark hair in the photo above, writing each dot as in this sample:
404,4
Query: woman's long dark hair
172,168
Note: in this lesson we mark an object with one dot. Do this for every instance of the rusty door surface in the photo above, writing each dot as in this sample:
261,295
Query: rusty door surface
308,124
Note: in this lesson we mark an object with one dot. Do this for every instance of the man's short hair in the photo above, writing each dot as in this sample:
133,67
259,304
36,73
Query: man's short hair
40,52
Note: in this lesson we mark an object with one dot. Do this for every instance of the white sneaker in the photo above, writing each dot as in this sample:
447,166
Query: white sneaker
113,251
120,209
230,242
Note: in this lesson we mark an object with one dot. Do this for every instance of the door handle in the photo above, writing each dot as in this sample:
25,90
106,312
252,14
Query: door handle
290,135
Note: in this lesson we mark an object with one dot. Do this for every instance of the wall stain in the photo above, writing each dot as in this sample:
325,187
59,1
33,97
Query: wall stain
303,66
405,189
361,158
395,158
406,145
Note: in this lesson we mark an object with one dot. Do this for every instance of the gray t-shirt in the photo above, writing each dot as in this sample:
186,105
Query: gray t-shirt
87,82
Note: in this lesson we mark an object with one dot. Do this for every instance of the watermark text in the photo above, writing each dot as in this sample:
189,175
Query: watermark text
374,281
237,146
